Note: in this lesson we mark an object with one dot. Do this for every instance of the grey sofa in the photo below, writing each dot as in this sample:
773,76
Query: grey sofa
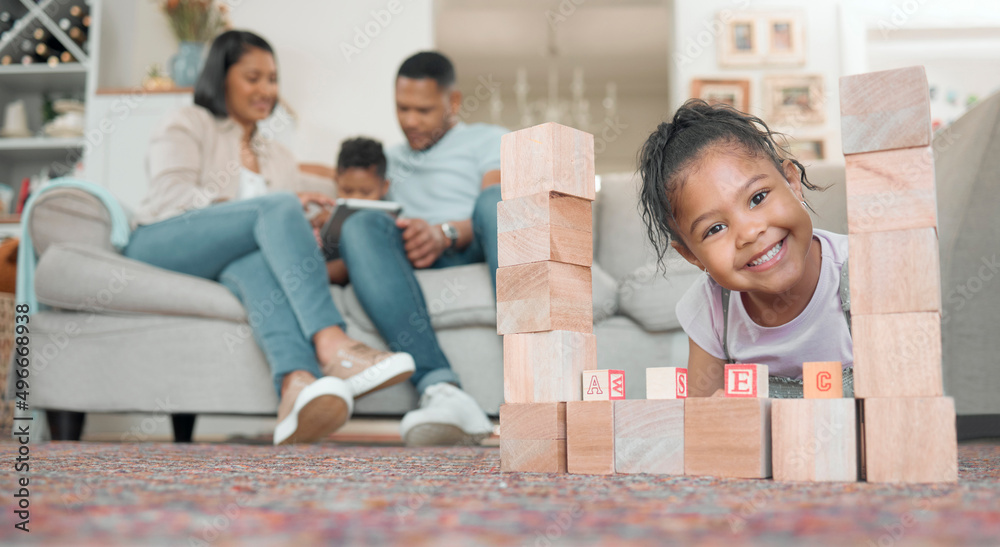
123,336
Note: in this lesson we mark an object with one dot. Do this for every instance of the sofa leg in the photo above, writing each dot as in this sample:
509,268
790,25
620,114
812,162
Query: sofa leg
65,425
183,427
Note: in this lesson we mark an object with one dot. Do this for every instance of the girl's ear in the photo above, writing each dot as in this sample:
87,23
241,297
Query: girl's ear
793,177
687,254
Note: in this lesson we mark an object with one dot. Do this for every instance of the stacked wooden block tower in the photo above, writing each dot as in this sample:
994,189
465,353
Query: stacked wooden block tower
561,415
908,426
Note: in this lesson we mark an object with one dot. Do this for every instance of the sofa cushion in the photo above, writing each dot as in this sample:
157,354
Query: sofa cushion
69,215
649,296
623,244
77,276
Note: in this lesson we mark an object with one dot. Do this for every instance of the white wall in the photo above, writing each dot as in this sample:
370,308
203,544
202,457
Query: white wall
335,95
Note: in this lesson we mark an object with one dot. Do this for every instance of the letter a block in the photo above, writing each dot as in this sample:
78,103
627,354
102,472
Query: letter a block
545,226
746,380
823,380
649,436
666,383
727,437
544,296
590,437
547,157
603,385
533,437
910,439
814,440
885,110
540,367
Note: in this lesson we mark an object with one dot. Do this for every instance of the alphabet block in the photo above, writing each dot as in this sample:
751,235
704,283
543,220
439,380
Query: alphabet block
894,272
666,383
533,437
545,226
727,437
649,436
590,437
897,355
814,439
603,385
823,380
891,190
541,367
885,110
544,296
746,380
910,439
547,157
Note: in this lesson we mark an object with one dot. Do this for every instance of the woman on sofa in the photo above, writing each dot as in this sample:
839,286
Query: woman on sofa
222,205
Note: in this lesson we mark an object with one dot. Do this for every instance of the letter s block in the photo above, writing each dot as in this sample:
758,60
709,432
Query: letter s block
666,383
746,380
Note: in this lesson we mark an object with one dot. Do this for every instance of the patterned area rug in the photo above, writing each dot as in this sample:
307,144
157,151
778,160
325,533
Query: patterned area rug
232,494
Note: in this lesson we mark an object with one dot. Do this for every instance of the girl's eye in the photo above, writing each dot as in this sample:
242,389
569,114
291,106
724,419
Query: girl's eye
758,197
716,228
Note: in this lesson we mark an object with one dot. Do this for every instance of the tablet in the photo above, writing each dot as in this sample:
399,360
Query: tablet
330,233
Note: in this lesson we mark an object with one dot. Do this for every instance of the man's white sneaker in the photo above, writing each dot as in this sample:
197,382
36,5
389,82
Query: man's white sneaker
447,416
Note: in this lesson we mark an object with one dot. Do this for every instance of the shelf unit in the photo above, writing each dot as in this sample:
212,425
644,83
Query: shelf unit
23,157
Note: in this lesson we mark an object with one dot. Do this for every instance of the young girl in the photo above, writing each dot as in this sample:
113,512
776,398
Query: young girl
719,189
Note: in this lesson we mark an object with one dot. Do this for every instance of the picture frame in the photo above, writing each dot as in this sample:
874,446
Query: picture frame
735,93
762,38
794,100
807,149
740,41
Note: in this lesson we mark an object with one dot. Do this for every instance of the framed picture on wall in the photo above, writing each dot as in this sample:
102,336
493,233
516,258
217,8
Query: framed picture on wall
785,39
735,93
740,44
751,38
807,149
794,100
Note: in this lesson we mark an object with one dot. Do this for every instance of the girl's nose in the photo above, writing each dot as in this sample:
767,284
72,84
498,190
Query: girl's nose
750,228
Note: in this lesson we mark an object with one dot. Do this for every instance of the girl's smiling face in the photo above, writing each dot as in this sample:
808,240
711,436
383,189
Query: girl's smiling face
744,221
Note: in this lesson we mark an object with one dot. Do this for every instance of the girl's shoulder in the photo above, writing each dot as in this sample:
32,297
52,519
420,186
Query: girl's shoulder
834,246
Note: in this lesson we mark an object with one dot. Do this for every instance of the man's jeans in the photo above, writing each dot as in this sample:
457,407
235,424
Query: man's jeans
264,251
384,280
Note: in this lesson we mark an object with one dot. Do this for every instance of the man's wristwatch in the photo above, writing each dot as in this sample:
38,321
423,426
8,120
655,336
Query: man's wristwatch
451,233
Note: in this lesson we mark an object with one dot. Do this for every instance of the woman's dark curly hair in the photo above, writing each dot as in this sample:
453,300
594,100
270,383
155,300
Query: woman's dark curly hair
676,144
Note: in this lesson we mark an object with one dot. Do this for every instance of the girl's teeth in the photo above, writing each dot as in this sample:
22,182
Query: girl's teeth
770,254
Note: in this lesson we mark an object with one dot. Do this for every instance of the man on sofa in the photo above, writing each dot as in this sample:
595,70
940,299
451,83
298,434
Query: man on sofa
447,177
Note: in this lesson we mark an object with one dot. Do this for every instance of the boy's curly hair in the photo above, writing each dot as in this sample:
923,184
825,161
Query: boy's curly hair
677,144
362,152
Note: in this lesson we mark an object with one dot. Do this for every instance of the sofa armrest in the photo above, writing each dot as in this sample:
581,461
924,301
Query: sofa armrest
80,277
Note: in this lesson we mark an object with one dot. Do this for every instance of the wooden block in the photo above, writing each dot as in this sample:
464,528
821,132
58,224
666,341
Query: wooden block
666,383
746,380
814,440
727,437
533,437
545,226
590,437
885,110
823,380
603,385
897,355
649,436
544,296
547,157
541,367
910,439
894,272
891,190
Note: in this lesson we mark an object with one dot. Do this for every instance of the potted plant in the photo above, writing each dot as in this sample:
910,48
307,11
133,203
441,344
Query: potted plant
195,23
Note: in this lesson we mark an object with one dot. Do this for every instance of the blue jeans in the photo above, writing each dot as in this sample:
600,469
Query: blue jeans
264,251
384,281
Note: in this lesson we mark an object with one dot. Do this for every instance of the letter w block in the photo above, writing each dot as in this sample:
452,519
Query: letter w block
603,385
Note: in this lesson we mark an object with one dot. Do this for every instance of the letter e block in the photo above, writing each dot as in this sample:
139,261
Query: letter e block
666,383
823,380
746,380
547,157
603,385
